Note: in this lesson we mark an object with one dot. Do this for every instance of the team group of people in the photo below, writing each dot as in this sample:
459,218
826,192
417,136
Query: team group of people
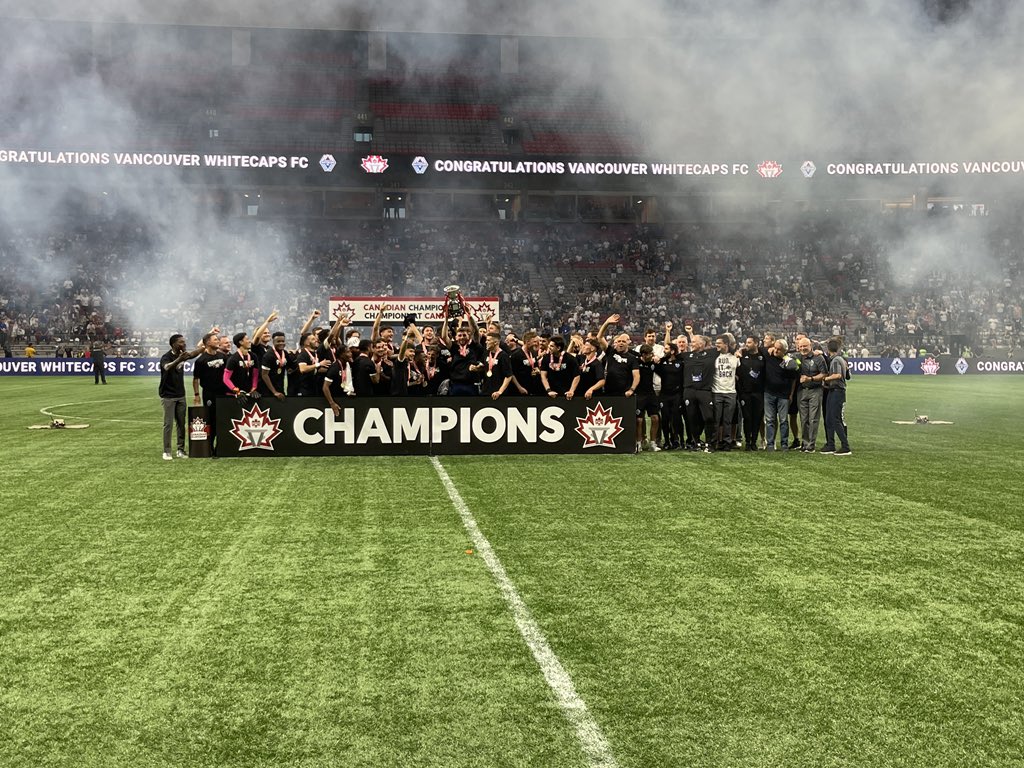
691,392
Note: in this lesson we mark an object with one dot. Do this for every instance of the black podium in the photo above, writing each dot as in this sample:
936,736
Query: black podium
199,433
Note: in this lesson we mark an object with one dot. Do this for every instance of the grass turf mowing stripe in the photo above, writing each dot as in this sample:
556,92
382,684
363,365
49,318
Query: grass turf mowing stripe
594,744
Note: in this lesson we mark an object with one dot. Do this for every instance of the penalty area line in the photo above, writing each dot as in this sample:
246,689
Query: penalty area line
592,739
48,411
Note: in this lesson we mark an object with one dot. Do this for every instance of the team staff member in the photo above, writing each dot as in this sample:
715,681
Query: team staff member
172,392
698,406
723,392
97,353
835,403
813,370
750,388
621,368
670,369
646,401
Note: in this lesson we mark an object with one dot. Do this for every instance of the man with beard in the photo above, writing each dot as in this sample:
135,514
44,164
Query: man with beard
386,334
670,369
466,359
311,367
813,370
750,386
698,406
621,368
559,373
497,369
779,390
723,392
407,378
646,401
526,366
208,374
172,392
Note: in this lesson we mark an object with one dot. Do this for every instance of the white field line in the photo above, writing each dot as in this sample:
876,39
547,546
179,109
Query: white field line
594,744
48,411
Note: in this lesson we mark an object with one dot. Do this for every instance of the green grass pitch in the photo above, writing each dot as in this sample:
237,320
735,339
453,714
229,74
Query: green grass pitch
712,610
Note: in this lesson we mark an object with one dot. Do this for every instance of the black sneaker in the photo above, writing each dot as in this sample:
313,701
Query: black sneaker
844,452
794,444
827,451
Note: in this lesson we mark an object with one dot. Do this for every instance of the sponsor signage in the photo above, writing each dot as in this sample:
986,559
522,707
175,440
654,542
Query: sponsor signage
82,366
933,365
364,309
425,426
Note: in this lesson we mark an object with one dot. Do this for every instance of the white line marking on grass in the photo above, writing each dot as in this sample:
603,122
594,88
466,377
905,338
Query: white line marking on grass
47,411
591,738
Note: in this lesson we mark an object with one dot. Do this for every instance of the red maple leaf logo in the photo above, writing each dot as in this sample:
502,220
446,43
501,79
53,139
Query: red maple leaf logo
600,428
374,164
769,169
344,309
930,366
256,429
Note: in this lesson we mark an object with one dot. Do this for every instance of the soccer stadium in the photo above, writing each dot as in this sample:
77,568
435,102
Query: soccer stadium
467,384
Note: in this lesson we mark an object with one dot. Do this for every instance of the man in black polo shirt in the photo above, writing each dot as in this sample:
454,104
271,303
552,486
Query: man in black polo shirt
591,367
670,369
172,392
526,366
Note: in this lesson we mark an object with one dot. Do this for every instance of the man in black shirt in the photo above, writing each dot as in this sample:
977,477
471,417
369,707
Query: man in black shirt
647,404
559,372
208,373
525,363
97,352
273,367
591,367
172,392
466,359
750,387
497,369
241,372
364,370
698,377
670,369
621,368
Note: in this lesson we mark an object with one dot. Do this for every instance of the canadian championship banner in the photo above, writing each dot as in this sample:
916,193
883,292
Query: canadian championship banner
429,310
425,426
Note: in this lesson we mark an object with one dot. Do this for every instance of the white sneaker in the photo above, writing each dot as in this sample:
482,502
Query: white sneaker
654,447
167,457
181,455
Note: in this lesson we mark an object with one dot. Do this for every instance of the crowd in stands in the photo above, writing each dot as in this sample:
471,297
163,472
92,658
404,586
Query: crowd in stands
112,280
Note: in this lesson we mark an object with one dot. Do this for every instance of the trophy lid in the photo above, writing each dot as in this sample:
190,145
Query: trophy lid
451,289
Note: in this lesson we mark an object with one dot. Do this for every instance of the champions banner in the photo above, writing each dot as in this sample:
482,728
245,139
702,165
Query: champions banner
429,310
425,426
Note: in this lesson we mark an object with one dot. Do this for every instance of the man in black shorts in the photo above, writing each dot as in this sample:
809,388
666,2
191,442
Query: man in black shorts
647,404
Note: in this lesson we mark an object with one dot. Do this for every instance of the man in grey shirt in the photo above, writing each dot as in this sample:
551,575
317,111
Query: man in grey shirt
813,369
835,403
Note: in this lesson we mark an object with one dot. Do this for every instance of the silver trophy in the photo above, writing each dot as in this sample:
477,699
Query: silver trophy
455,305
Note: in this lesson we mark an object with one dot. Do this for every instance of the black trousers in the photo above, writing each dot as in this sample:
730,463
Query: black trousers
672,419
752,406
699,413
